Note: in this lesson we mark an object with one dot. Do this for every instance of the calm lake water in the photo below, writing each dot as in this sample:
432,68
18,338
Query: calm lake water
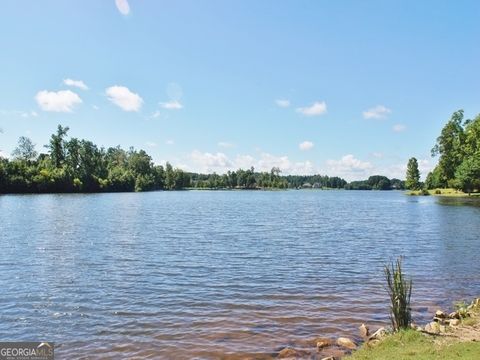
222,274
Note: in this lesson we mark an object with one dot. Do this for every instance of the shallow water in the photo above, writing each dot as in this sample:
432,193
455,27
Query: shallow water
221,274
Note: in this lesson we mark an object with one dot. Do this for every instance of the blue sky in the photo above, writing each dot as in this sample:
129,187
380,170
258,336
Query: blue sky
348,88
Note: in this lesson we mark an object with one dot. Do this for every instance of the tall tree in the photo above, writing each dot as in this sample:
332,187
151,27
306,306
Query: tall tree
25,149
412,181
57,146
450,147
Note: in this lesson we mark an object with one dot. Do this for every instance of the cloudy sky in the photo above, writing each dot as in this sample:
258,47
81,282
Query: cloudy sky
347,88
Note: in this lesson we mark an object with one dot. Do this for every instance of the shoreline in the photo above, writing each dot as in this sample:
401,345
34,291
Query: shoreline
435,340
446,193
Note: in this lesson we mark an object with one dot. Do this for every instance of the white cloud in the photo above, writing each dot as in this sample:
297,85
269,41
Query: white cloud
349,168
21,113
306,145
170,142
399,128
284,103
124,98
209,162
3,154
377,112
226,145
75,83
267,161
123,7
377,155
155,115
60,101
171,105
399,170
151,144
95,107
221,163
317,108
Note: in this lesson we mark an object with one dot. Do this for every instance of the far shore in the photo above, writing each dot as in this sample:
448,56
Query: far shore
449,192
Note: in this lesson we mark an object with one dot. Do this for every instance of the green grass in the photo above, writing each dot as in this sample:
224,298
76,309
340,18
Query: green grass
443,192
411,344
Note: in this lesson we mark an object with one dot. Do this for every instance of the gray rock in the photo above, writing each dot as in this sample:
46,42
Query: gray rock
440,314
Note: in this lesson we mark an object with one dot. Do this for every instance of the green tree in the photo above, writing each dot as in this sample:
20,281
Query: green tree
169,177
450,147
412,181
25,149
57,146
467,175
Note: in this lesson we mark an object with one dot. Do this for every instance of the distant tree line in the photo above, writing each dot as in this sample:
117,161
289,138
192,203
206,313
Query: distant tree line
458,148
376,182
249,179
74,165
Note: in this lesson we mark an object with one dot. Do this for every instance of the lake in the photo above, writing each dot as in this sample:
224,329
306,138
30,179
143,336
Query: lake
222,274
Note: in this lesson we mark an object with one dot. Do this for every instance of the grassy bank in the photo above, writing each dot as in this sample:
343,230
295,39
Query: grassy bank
443,192
459,342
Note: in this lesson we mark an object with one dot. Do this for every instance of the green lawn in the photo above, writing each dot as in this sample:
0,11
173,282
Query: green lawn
412,344
443,192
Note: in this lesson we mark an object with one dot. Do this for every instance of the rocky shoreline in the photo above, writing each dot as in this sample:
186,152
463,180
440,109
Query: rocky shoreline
443,324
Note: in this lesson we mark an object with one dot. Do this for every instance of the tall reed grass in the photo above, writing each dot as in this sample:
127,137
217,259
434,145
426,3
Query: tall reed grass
400,291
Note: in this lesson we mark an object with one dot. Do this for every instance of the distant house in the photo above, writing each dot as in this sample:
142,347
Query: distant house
307,185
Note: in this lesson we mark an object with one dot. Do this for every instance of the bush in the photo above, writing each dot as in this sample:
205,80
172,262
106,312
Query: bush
438,192
399,291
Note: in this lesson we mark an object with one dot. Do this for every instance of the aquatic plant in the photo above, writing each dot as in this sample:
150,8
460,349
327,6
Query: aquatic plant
399,290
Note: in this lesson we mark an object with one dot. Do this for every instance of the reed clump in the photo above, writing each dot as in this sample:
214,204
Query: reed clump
400,291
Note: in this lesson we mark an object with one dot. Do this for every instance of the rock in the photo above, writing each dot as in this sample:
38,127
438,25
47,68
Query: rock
443,328
346,343
322,343
440,314
432,327
364,331
379,334
288,352
328,358
476,302
454,322
454,315
373,342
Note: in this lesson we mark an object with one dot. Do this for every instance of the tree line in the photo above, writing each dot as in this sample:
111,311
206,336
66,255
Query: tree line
77,165
74,165
458,149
